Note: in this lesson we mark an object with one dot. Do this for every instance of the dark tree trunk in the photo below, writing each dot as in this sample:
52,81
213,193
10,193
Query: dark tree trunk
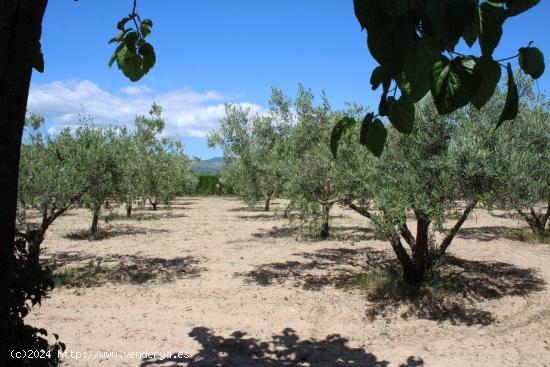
153,203
20,29
95,220
420,250
325,217
536,222
286,213
266,206
404,259
129,210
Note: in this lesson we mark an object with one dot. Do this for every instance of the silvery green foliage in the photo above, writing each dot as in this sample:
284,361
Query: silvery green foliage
58,171
428,175
522,159
158,169
316,179
255,150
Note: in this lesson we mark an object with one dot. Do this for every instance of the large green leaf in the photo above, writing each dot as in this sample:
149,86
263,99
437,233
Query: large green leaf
454,83
373,135
378,77
414,80
384,105
510,110
149,58
338,130
401,114
370,13
490,73
491,17
449,19
531,61
389,43
519,6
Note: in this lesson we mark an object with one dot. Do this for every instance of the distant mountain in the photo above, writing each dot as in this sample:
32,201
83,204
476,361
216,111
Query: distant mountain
213,165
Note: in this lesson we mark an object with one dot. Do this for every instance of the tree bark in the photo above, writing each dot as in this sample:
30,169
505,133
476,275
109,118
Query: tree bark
129,210
95,220
325,217
420,249
404,259
267,202
447,240
286,213
20,30
536,223
153,203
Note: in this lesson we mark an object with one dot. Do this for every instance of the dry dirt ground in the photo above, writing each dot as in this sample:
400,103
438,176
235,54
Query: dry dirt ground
232,286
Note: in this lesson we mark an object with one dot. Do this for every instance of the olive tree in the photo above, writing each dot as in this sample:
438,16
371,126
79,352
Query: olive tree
254,149
522,159
99,147
161,164
312,185
427,175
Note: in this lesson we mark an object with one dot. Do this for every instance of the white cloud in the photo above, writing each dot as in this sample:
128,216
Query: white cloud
187,113
133,90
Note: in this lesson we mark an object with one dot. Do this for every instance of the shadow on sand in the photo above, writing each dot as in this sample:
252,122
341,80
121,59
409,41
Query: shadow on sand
283,350
75,269
338,267
111,232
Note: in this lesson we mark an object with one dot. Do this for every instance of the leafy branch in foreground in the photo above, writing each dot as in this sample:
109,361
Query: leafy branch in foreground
414,42
133,55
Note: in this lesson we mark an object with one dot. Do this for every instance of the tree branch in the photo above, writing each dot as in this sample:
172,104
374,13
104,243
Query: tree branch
408,236
360,210
447,240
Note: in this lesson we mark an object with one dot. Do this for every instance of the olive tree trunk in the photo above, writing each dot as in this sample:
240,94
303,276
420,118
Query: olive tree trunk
20,30
325,218
95,220
537,221
267,204
153,203
419,259
129,210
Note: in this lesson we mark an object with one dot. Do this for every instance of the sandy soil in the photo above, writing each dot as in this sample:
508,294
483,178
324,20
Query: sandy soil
231,286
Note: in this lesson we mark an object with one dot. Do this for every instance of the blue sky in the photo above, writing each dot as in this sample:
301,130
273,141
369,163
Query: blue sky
214,51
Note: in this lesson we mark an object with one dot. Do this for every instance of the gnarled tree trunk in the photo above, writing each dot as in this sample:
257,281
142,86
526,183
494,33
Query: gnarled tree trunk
537,222
129,210
266,205
20,29
416,264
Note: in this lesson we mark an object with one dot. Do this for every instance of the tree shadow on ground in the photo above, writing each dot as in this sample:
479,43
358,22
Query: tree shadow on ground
337,267
470,281
266,217
474,282
492,233
144,216
110,232
250,209
353,233
77,270
506,215
276,232
283,350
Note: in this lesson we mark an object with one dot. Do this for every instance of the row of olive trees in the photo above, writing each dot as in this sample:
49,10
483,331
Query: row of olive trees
443,169
96,167
89,167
